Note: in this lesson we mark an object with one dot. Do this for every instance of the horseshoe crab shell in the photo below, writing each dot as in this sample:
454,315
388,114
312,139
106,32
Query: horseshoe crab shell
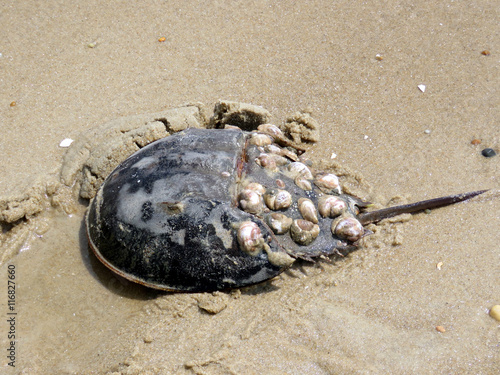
170,216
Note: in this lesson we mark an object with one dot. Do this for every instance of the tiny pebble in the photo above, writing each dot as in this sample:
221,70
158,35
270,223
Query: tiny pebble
421,88
440,329
439,265
427,131
378,57
365,137
92,45
333,155
13,104
162,39
66,142
495,312
42,228
485,52
488,152
427,211
476,142
1,54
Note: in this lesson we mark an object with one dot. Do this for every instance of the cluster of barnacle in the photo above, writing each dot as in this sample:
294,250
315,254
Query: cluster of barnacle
264,202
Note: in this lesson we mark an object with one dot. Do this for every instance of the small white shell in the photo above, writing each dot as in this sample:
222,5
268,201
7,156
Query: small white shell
250,238
303,232
279,160
250,201
348,228
231,127
274,149
277,199
308,210
255,186
267,161
280,183
66,142
270,129
331,206
302,183
297,168
259,139
328,182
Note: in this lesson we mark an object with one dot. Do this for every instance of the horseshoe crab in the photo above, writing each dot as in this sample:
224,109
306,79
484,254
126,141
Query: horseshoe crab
211,209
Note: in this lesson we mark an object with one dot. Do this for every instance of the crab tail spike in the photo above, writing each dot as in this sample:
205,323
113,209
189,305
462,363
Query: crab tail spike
376,216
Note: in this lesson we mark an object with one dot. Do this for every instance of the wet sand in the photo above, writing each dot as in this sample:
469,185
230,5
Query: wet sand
70,69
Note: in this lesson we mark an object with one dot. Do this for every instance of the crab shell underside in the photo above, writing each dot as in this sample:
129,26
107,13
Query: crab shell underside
206,209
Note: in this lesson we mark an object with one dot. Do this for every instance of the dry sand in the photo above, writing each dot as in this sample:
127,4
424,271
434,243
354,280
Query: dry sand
70,68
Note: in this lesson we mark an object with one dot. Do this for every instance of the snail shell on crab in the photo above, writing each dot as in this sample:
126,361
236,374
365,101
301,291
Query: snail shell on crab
231,127
289,154
279,223
273,149
348,227
303,232
270,129
255,186
297,168
271,161
259,139
328,181
302,183
331,206
277,199
266,161
280,183
251,201
250,238
279,160
308,210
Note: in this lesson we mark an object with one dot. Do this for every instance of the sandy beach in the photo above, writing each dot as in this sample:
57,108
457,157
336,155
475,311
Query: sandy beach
406,96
